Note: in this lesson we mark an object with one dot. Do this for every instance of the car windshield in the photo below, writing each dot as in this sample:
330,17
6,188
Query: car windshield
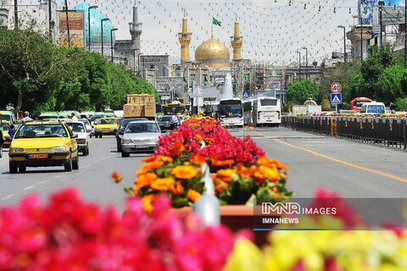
230,109
266,102
124,122
5,117
41,130
142,128
165,118
85,121
6,127
96,117
76,127
107,121
376,109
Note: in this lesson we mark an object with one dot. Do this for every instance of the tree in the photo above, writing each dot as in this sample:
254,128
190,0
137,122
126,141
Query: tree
390,84
300,91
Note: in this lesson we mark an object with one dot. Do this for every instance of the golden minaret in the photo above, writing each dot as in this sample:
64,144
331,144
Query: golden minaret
237,42
184,38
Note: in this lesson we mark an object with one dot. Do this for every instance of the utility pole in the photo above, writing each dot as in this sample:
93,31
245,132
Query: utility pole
299,65
306,62
361,41
67,23
50,19
381,4
15,14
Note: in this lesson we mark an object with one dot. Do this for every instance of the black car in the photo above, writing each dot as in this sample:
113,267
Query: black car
167,123
122,125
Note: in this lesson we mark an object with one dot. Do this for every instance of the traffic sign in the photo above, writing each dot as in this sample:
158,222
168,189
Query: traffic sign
246,94
336,98
336,87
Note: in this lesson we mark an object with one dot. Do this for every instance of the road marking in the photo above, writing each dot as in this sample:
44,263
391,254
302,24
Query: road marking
8,197
58,176
29,187
337,160
42,182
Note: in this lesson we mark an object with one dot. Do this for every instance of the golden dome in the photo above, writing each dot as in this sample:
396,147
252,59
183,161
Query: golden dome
212,52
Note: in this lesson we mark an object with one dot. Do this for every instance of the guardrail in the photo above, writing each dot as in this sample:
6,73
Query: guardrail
391,132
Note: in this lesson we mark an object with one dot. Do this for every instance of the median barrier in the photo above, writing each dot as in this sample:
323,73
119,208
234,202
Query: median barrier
387,131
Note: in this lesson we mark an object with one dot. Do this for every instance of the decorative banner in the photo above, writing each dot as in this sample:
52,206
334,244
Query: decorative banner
76,28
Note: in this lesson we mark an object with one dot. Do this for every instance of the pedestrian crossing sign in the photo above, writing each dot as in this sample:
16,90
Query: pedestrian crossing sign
246,94
336,98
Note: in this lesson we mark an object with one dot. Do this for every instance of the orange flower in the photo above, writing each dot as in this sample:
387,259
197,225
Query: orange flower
198,159
177,188
149,166
219,163
165,159
149,159
162,184
177,148
136,189
225,174
146,201
193,195
258,175
220,186
264,161
184,172
116,177
272,174
146,179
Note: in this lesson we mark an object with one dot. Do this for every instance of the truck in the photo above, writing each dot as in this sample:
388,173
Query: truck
139,106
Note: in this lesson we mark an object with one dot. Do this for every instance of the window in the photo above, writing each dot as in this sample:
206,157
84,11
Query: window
107,121
76,127
142,128
41,131
268,102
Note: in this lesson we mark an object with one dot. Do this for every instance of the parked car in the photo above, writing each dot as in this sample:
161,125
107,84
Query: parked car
122,125
82,139
43,143
140,136
373,108
167,123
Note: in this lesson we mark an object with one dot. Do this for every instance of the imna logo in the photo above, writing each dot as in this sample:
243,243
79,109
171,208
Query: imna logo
289,208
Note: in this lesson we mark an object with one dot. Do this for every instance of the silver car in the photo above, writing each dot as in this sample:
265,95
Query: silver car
140,136
78,128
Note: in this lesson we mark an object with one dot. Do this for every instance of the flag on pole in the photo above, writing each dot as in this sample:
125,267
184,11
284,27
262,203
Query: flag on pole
185,79
216,22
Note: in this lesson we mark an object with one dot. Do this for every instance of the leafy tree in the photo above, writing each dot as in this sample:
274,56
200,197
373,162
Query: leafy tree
300,91
390,84
401,104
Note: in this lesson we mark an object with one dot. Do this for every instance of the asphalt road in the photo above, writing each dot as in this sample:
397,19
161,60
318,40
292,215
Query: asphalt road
356,170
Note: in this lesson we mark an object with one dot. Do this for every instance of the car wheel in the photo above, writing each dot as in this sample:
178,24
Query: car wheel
119,147
125,154
12,168
75,163
87,151
100,135
68,165
22,169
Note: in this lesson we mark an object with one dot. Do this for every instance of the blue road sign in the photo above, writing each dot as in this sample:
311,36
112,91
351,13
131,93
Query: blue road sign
336,98
246,94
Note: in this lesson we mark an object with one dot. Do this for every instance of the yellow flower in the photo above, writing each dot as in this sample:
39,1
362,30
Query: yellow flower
162,184
193,195
177,188
184,172
146,179
146,201
272,174
150,166
199,137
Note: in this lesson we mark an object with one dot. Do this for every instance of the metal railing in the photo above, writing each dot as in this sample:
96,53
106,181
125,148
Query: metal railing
391,132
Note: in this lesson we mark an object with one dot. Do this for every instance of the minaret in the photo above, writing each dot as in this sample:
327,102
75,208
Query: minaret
135,29
237,42
184,38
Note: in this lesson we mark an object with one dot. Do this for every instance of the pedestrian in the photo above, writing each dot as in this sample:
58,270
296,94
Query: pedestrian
26,117
12,131
74,117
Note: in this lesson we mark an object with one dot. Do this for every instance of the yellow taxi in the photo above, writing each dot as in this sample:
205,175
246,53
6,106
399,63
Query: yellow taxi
6,135
43,144
105,126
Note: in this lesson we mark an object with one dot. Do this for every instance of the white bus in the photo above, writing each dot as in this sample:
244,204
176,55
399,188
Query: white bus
230,112
266,110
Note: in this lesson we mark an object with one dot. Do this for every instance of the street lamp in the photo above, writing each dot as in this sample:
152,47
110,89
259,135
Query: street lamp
111,40
101,30
381,4
89,8
344,42
299,65
138,64
306,62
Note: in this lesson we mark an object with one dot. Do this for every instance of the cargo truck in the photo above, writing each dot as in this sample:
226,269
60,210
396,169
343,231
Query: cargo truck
139,106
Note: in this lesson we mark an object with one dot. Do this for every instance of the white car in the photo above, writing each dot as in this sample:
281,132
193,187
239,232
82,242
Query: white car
89,129
140,136
78,128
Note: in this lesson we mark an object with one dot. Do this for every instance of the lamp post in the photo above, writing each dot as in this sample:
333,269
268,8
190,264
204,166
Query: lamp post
381,4
15,14
306,62
138,64
299,65
111,41
344,42
89,40
101,31
67,22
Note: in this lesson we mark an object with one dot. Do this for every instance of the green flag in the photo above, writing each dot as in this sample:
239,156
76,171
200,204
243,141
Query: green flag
216,22
247,77
236,79
205,78
185,79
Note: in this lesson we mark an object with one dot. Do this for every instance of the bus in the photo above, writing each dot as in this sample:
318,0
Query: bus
174,108
230,112
266,111
356,104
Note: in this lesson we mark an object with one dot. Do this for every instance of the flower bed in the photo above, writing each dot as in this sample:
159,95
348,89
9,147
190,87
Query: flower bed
241,170
71,234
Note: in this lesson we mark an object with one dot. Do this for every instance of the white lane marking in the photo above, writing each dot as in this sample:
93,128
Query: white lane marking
8,197
42,182
29,187
56,177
